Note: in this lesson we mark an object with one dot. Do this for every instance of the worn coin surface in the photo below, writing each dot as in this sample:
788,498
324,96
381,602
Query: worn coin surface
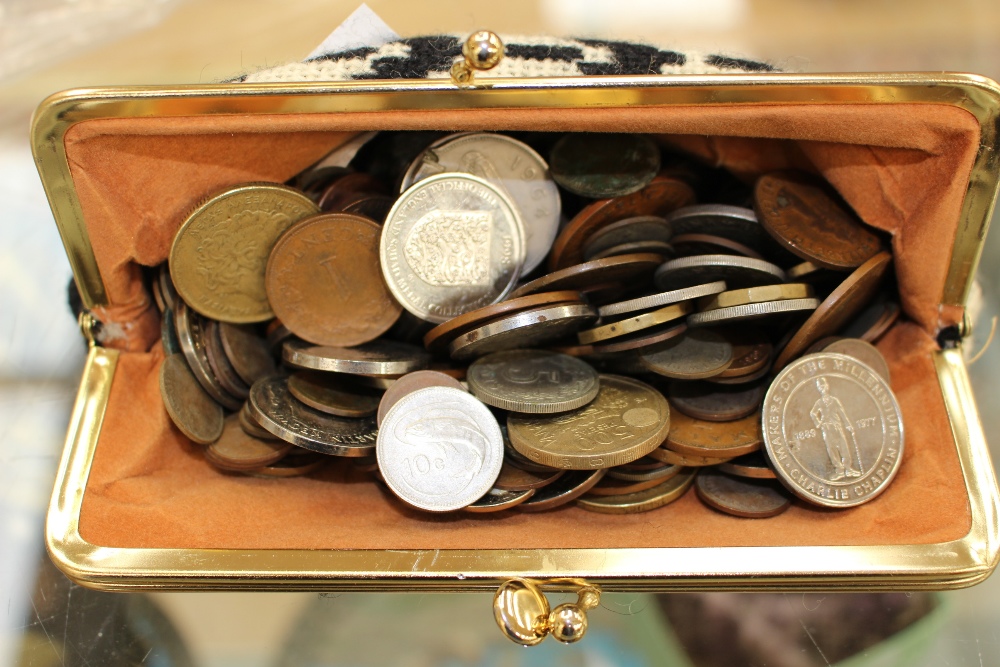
513,478
379,358
754,465
496,500
191,336
751,311
760,294
800,213
621,268
696,355
663,472
250,426
697,437
641,228
604,164
713,402
664,250
645,341
874,320
740,496
699,269
707,244
325,283
833,430
219,254
751,351
235,450
734,223
411,382
563,491
514,168
687,460
662,299
192,410
247,352
533,381
452,243
626,421
634,323
332,395
863,351
278,412
223,371
439,449
168,333
643,501
525,329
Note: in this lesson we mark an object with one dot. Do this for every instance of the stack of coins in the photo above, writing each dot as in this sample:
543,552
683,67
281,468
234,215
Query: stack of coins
607,332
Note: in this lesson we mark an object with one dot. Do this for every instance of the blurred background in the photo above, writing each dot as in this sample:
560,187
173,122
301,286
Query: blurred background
52,45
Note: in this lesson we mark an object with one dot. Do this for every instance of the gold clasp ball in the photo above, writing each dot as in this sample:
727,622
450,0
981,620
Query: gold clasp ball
483,50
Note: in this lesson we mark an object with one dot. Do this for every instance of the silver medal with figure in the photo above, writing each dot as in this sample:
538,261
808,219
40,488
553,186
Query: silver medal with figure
833,430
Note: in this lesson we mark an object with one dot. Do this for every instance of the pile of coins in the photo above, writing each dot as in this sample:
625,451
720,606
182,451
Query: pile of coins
606,332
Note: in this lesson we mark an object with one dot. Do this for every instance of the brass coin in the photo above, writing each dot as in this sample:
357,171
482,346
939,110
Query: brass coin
168,333
563,491
250,425
751,351
533,381
625,422
237,451
526,329
707,244
277,411
438,338
740,496
496,500
863,351
642,228
761,294
837,309
193,411
223,371
662,195
623,268
800,213
697,354
699,269
751,311
697,437
662,473
378,358
662,299
808,272
754,465
600,165
218,256
664,250
736,224
611,486
688,461
634,323
716,403
248,353
325,283
411,382
647,342
332,396
643,501
874,320
291,466
513,478
191,335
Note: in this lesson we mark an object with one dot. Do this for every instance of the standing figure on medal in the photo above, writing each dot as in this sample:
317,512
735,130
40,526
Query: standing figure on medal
831,419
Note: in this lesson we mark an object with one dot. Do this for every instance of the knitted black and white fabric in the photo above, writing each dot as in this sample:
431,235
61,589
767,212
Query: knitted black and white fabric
432,56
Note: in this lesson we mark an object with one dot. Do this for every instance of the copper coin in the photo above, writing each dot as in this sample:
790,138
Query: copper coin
564,490
687,460
751,350
331,395
193,411
740,496
874,320
248,353
754,465
837,309
800,212
741,379
220,365
497,500
291,466
653,498
438,338
736,271
235,450
513,478
643,228
191,335
697,354
697,437
345,186
373,206
277,333
664,250
645,464
604,164
707,244
324,281
662,195
411,382
250,425
863,351
611,486
735,224
623,268
519,460
662,473
526,329
716,403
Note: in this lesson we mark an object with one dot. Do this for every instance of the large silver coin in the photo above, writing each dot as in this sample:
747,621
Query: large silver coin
751,311
514,168
439,449
452,243
522,330
533,381
734,270
833,430
379,357
735,223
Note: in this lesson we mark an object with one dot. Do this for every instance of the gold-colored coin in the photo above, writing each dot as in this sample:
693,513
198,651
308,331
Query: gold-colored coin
626,421
190,408
761,294
237,451
634,324
642,501
219,255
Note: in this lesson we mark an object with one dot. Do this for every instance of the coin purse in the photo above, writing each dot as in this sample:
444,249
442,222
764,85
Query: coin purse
136,506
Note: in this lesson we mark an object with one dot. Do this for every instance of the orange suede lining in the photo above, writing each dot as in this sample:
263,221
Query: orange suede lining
904,168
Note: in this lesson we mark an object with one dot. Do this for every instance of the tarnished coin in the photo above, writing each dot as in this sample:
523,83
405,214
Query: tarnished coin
707,244
278,412
250,425
168,333
687,460
716,403
193,411
237,451
751,351
800,213
219,254
533,381
751,311
643,501
325,283
223,371
863,351
451,244
513,478
623,268
332,395
735,223
837,309
760,294
439,449
563,491
661,473
514,168
754,465
612,486
599,165
497,500
634,323
626,421
696,355
370,205
525,329
699,269
191,336
740,496
662,299
641,228
742,379
409,383
874,320
833,430
378,358
697,437
664,250
247,352
343,188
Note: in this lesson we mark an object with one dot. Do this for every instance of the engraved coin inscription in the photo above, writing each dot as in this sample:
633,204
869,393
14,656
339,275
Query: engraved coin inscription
833,430
533,381
439,449
451,243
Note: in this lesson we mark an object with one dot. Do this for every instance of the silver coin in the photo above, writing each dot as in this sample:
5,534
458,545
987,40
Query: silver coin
629,230
274,408
533,381
863,351
510,165
662,299
751,311
696,355
736,271
522,330
452,243
833,430
191,336
735,223
440,449
410,383
377,358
